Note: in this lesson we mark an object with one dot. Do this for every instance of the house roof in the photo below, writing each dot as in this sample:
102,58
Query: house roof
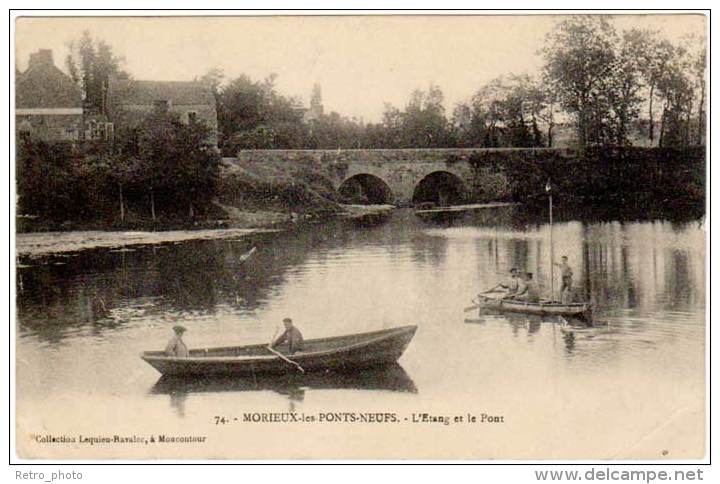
123,91
43,85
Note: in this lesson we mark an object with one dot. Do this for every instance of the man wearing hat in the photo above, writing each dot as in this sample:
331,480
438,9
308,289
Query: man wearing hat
176,346
291,336
511,286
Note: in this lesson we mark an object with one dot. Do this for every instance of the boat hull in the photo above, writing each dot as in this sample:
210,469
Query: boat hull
540,309
356,351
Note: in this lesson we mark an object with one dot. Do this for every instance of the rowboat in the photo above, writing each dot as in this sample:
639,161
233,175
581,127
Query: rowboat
337,353
542,308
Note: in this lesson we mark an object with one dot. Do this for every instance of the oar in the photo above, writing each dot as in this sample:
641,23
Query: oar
285,358
494,289
478,305
247,254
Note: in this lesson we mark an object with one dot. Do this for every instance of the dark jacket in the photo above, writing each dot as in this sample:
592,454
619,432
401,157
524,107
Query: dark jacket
293,338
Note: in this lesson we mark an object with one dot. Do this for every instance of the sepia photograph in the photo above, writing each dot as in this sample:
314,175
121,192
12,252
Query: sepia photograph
462,237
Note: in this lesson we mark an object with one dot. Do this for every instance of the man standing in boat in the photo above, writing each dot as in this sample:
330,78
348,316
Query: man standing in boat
176,346
567,276
292,336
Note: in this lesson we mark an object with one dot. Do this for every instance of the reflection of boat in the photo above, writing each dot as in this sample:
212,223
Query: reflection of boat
389,378
342,352
550,308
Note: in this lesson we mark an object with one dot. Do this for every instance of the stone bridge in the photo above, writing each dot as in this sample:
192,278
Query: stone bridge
406,176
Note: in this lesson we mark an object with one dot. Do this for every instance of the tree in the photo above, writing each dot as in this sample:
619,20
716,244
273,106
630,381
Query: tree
652,54
392,124
579,63
91,63
213,78
696,52
676,91
245,105
622,90
541,103
180,168
506,111
423,123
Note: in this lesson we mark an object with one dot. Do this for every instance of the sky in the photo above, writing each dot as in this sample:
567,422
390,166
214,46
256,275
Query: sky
361,62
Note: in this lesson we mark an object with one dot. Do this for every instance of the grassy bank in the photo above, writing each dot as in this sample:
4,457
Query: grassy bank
248,196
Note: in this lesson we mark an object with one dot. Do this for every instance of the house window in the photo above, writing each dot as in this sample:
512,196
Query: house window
161,105
192,117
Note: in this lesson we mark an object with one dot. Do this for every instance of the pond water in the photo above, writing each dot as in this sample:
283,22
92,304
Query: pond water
631,387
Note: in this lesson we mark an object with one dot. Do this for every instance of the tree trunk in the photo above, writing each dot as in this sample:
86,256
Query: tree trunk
651,128
662,126
191,211
582,131
122,204
152,203
550,135
701,115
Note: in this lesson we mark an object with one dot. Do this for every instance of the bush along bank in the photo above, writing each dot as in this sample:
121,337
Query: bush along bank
622,180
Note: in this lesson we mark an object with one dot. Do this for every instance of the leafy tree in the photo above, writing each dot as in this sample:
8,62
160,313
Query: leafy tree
695,50
676,90
392,124
42,178
423,123
213,78
245,105
652,54
91,63
623,88
181,169
580,61
506,111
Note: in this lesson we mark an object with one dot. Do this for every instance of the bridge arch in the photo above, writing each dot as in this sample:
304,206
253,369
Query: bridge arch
441,188
366,189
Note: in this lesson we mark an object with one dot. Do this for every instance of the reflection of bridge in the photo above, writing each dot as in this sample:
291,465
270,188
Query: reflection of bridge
405,176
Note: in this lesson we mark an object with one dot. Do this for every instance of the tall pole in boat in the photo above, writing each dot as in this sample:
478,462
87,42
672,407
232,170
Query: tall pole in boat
548,189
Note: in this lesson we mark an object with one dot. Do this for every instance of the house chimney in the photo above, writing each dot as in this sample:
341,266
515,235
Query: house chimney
42,57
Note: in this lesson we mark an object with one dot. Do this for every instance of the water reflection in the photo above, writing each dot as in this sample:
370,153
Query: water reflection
402,271
391,378
77,312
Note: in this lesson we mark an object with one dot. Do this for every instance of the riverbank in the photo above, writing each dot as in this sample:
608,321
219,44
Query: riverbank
35,244
45,243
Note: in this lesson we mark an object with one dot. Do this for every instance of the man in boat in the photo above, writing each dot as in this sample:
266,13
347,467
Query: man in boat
176,346
527,290
567,275
511,287
292,336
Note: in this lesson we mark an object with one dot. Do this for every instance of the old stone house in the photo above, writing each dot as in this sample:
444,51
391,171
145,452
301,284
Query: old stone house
130,101
48,104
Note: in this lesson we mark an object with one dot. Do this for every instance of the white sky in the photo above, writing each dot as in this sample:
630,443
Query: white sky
360,62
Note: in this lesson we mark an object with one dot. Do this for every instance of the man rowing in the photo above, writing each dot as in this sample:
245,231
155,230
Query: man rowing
511,286
291,336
